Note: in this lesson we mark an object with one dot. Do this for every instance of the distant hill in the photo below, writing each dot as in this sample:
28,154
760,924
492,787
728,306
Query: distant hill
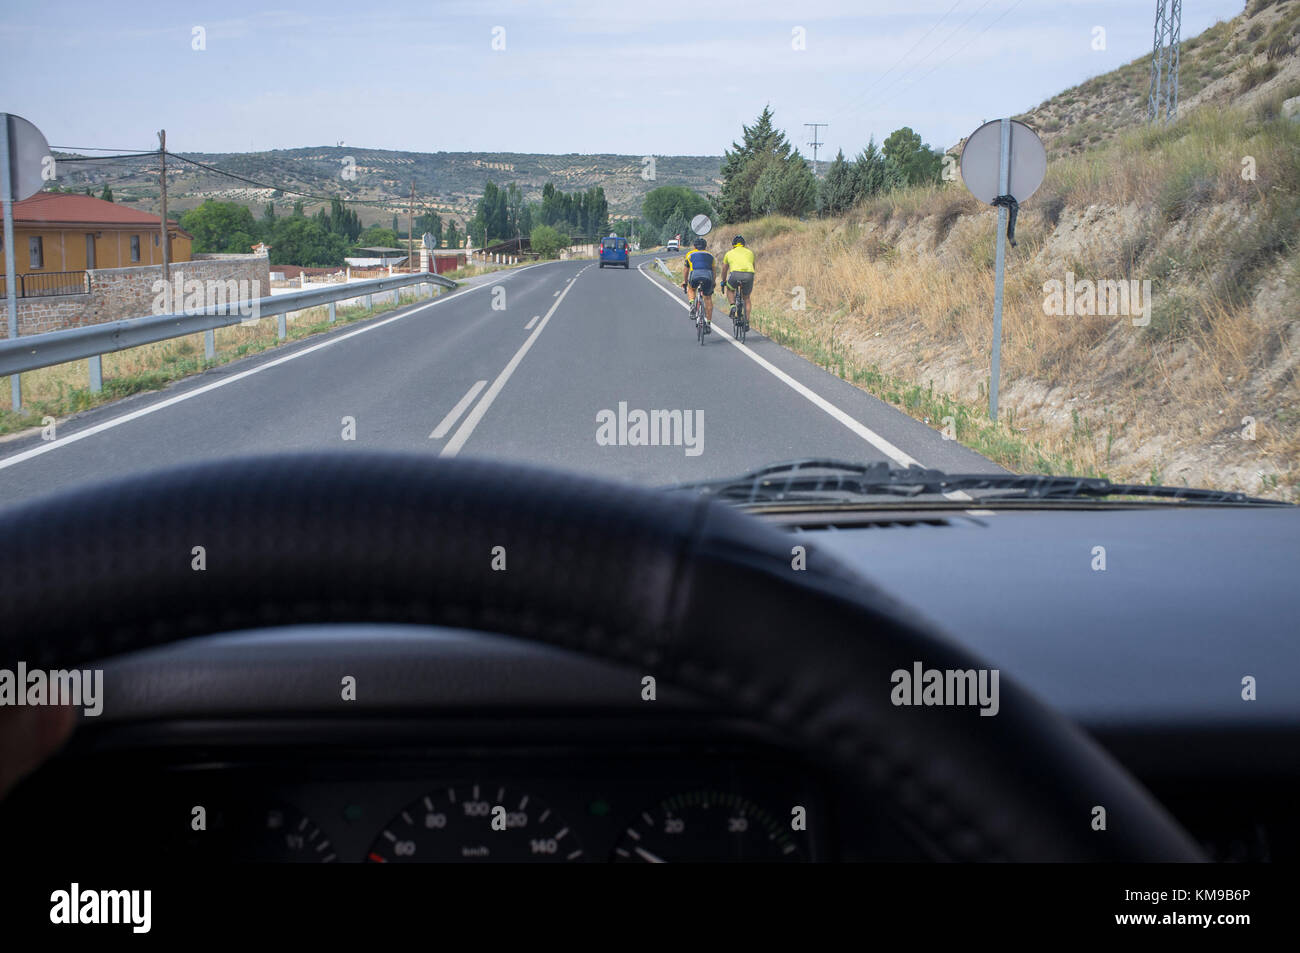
447,182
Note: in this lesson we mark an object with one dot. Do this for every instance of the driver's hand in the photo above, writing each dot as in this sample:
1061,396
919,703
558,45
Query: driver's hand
28,736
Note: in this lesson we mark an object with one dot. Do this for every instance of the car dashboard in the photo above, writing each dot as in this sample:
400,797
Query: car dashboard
395,744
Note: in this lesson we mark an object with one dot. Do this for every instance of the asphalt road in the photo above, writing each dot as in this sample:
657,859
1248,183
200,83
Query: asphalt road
546,364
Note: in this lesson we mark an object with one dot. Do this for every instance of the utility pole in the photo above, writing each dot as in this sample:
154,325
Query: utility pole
1163,95
162,179
814,142
410,230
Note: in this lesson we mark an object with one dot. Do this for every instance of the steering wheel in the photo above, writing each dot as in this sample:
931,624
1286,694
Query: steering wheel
680,587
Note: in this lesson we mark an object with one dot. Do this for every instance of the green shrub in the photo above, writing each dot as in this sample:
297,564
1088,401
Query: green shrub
1256,75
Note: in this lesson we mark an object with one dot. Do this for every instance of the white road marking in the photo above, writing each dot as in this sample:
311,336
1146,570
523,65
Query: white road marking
860,429
867,434
453,446
453,415
529,325
206,388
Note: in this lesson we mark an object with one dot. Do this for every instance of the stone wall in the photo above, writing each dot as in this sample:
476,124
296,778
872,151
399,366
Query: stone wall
117,293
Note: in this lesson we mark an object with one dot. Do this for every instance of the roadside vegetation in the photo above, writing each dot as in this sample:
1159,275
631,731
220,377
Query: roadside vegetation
893,290
320,240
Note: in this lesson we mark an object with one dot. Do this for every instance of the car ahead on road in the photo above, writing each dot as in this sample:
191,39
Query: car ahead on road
673,245
613,251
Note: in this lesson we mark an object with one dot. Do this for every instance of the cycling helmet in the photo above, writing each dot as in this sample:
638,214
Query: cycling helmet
738,240
700,243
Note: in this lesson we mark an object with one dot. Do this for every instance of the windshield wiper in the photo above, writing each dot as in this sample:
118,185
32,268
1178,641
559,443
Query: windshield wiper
830,481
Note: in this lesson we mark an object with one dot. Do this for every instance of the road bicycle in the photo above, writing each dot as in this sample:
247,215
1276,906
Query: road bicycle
739,320
697,315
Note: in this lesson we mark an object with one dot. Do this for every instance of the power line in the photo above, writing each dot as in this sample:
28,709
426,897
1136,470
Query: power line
938,46
99,149
863,93
992,23
126,155
376,203
373,203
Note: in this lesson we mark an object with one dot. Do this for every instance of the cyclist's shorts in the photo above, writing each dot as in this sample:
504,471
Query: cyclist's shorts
741,279
703,282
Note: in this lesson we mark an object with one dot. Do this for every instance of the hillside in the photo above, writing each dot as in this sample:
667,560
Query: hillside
446,182
1202,390
1229,63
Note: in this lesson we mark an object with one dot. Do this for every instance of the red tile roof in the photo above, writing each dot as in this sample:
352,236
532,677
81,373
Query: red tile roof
68,208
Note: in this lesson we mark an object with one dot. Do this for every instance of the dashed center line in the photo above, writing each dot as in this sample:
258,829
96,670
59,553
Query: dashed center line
453,446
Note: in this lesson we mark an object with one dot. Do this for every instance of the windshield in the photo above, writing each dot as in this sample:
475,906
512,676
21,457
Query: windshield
981,240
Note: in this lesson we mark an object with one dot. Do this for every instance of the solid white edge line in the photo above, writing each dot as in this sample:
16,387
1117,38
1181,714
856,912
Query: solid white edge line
453,446
867,434
206,388
860,429
454,414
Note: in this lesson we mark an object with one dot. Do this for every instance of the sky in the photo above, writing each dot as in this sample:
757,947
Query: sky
617,76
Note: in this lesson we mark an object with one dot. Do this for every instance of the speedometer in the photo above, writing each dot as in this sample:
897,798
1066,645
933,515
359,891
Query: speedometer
475,823
707,825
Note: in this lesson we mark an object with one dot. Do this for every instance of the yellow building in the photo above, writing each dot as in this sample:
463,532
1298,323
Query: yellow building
59,235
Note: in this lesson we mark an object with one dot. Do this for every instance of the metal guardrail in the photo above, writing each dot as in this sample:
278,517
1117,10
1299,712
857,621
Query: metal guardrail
18,355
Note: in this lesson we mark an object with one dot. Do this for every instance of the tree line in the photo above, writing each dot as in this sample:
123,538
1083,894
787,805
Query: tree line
764,175
320,240
560,219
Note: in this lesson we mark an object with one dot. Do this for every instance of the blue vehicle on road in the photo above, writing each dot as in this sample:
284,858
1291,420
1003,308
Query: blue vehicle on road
613,251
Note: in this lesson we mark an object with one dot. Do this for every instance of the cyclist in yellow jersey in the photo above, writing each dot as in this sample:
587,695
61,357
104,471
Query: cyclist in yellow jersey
698,276
738,274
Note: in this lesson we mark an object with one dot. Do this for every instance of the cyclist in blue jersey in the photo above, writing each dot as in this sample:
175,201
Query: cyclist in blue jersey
699,280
